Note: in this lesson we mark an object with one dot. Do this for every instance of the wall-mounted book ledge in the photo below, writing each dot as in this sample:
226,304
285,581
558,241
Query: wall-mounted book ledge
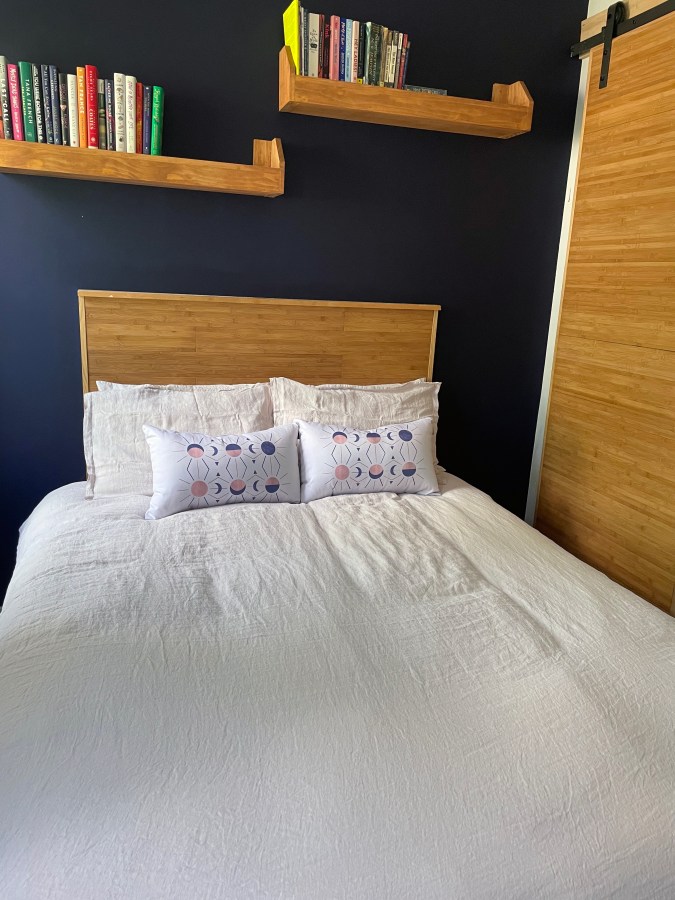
508,113
265,178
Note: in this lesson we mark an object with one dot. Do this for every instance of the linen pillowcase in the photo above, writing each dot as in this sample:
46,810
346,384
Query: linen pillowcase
364,407
195,471
115,449
118,386
338,460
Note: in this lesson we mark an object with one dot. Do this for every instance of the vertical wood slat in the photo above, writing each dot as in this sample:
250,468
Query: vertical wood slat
607,490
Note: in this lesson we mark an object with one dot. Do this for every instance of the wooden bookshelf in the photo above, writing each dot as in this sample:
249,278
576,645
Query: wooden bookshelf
508,114
264,178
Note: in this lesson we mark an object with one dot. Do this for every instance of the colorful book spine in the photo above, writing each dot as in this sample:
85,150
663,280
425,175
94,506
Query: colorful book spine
405,64
15,101
404,53
26,81
55,105
362,53
82,105
355,51
4,100
147,118
334,63
40,129
91,83
304,33
366,51
139,117
382,68
157,121
102,126
47,104
2,129
291,20
119,84
130,111
374,53
109,114
349,29
73,112
63,108
325,72
313,45
343,49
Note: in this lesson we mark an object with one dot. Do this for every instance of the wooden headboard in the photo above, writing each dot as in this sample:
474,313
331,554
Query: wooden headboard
138,338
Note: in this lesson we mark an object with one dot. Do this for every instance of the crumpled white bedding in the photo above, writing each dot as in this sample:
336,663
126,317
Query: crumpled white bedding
366,697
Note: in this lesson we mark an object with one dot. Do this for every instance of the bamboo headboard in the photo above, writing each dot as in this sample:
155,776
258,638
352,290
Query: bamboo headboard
138,338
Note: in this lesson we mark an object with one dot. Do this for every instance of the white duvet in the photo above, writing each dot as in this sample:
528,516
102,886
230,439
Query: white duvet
365,697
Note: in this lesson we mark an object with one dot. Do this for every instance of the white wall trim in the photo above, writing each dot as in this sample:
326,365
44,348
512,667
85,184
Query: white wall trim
540,432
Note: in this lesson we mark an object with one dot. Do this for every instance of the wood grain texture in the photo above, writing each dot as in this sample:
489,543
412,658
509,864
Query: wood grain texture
594,24
265,178
508,114
193,339
607,489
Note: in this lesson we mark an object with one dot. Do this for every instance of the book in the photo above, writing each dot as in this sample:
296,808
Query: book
362,53
139,117
304,39
63,108
334,61
4,100
349,28
47,104
425,90
100,105
355,51
382,62
73,112
2,129
40,128
91,85
367,32
291,20
401,62
147,117
342,48
405,64
55,104
109,90
119,85
26,81
391,61
15,101
325,71
313,45
130,109
82,105
374,53
157,120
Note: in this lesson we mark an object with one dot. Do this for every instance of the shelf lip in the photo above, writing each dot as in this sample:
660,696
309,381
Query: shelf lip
264,178
507,114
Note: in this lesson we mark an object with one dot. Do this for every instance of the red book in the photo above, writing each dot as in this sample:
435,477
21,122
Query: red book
15,103
91,87
139,117
334,60
401,70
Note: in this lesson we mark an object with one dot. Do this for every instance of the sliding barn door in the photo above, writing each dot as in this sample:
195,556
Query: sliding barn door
607,489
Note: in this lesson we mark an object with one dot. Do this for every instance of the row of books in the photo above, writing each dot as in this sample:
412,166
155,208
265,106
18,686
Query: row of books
344,49
45,106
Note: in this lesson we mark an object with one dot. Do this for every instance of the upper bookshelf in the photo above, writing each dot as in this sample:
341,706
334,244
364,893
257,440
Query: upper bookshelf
508,114
264,178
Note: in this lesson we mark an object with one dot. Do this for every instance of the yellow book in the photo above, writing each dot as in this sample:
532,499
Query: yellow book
292,31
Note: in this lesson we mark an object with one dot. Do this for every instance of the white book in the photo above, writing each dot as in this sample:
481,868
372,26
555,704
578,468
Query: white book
73,117
313,36
356,30
391,59
119,84
348,49
131,113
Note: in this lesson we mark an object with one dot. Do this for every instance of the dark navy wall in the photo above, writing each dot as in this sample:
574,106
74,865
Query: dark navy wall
370,213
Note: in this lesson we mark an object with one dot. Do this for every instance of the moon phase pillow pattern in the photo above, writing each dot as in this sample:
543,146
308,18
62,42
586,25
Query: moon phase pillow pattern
339,460
195,471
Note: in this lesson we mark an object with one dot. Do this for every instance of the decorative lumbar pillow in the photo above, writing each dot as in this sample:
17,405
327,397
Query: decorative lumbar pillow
116,452
338,460
195,471
370,406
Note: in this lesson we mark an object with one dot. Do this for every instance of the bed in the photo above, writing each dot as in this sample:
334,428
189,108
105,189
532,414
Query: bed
366,696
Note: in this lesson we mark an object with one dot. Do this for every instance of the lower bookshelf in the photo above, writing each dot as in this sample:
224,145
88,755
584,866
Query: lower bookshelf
264,178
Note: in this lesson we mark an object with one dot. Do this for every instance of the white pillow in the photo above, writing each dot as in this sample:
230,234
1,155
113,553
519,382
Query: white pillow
339,460
195,471
365,407
118,386
115,449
